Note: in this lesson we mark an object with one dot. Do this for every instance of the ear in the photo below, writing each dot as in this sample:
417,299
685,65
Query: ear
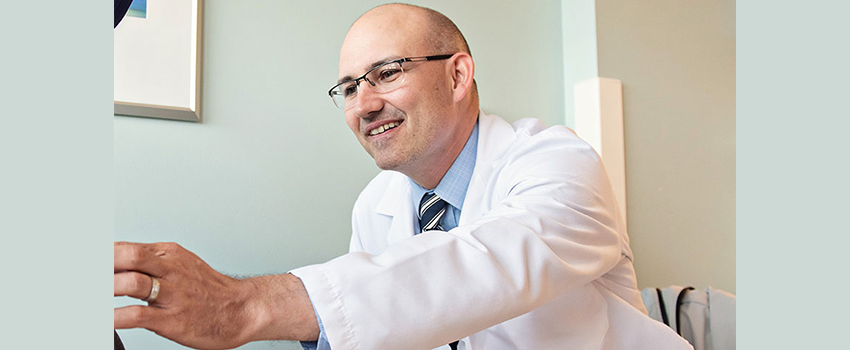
462,73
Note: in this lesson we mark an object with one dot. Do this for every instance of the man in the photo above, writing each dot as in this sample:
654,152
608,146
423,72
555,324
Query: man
484,235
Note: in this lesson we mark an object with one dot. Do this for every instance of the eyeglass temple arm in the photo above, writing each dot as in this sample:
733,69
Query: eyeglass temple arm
428,58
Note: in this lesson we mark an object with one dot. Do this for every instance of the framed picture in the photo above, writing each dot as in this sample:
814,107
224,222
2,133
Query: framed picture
157,60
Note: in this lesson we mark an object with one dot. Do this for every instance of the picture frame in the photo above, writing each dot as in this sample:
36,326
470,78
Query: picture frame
158,61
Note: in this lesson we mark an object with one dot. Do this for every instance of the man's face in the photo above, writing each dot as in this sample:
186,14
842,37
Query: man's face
420,109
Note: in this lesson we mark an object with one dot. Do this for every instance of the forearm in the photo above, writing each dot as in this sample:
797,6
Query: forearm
281,309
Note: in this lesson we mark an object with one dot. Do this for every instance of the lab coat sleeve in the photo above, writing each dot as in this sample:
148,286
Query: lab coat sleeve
551,225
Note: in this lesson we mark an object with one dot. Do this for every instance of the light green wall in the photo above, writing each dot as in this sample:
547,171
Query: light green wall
578,23
266,183
677,64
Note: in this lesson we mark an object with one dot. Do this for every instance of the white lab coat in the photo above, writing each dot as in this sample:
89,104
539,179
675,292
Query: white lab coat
540,259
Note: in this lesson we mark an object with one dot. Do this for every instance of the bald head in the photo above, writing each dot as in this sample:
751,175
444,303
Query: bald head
436,30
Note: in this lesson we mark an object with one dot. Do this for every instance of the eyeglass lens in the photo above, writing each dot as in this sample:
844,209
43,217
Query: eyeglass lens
383,78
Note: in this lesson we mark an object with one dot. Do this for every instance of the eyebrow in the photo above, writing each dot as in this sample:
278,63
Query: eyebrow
374,64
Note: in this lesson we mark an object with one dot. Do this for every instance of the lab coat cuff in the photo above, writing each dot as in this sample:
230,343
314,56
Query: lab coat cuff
334,325
322,343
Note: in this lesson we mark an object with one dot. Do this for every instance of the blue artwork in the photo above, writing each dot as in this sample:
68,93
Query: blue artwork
139,8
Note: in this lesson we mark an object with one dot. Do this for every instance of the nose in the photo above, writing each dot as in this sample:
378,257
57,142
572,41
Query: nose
367,100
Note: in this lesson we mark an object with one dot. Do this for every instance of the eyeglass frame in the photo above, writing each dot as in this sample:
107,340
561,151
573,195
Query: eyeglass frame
372,84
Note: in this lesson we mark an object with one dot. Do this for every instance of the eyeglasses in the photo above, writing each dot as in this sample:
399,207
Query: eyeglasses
385,77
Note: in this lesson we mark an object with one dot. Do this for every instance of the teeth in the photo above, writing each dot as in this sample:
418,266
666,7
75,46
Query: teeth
382,128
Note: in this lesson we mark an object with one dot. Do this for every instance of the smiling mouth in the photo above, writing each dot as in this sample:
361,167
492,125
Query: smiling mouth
383,128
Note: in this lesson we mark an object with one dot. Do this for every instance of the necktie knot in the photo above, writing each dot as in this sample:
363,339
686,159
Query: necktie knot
431,210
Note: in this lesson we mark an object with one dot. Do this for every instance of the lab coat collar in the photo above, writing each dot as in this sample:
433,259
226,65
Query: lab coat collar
396,193
494,137
396,203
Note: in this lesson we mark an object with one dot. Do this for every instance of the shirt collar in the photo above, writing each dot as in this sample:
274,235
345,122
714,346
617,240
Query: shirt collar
453,185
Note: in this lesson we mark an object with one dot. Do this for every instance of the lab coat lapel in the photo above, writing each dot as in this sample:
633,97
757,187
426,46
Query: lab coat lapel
494,137
396,203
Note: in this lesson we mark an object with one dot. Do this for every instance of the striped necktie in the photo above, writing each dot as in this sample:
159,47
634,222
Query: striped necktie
431,210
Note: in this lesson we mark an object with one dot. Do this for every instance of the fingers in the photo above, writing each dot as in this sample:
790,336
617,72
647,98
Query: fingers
137,316
132,284
138,257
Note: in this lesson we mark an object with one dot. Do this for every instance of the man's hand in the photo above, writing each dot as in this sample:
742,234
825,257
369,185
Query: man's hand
201,308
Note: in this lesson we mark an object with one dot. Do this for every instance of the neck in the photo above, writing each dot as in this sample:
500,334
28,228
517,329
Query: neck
429,176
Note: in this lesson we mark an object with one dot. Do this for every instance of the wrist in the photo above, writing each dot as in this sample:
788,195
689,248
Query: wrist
280,309
256,310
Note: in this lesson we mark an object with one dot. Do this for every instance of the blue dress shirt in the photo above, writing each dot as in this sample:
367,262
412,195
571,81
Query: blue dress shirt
452,189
